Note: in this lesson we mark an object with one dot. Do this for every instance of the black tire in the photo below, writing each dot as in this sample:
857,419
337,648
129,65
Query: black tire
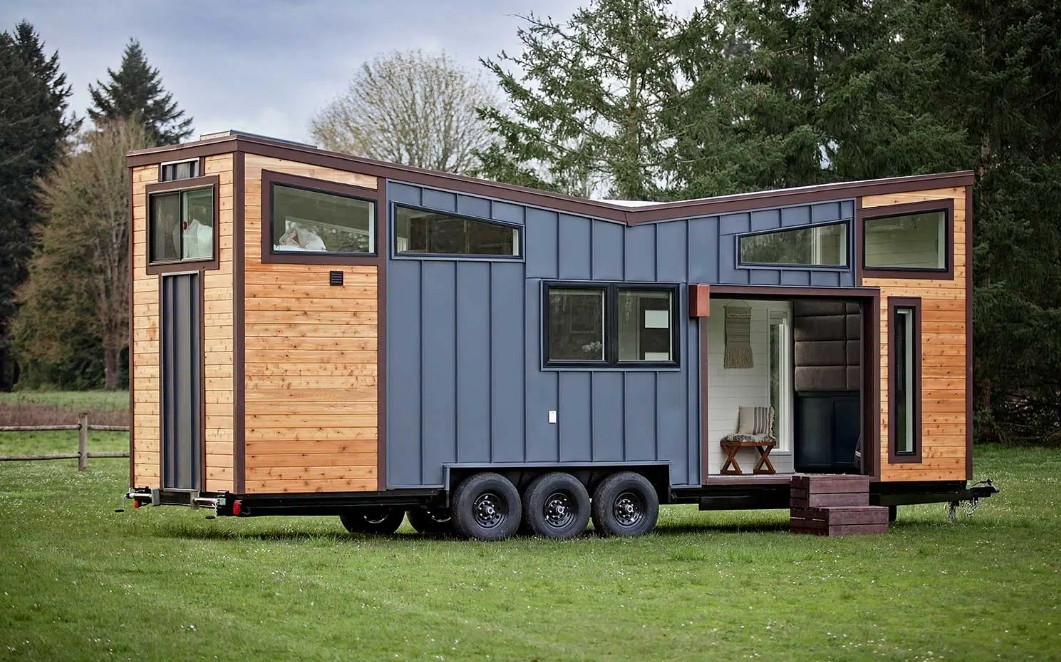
893,513
379,520
430,521
625,504
486,506
556,505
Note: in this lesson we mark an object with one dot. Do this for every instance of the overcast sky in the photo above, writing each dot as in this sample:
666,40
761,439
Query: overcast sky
264,66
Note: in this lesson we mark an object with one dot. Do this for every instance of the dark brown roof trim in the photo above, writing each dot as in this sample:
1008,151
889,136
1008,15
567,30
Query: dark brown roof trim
546,199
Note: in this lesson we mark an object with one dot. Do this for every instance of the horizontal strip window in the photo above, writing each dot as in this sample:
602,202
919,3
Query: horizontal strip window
168,172
610,325
182,225
426,232
822,245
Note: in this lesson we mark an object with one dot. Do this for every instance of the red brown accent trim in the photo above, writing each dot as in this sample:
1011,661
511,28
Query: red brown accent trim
774,291
553,201
699,300
969,332
132,333
201,278
856,243
239,329
871,386
863,214
705,441
269,256
382,237
913,303
206,181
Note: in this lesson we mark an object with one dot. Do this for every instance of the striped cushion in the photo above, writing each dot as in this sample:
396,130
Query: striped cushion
755,420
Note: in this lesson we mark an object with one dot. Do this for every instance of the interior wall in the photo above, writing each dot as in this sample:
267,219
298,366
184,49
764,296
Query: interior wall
728,389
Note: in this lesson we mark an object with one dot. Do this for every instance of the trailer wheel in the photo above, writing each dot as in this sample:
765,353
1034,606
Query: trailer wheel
625,504
380,520
430,521
486,506
556,505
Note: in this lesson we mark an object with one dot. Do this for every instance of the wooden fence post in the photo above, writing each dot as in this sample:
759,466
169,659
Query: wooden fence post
82,441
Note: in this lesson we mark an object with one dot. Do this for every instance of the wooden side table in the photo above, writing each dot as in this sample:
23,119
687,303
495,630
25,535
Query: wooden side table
763,466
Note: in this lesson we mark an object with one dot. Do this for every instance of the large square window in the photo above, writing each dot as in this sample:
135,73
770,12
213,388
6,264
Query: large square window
911,241
182,226
311,221
610,325
812,246
425,232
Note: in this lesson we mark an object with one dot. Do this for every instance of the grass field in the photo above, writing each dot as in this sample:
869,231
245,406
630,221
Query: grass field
78,581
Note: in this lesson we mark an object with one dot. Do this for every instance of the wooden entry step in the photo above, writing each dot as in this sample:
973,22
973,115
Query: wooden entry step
834,505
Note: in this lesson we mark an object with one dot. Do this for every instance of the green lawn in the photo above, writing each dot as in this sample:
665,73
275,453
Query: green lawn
72,400
78,581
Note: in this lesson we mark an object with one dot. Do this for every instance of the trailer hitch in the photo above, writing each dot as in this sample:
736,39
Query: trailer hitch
979,490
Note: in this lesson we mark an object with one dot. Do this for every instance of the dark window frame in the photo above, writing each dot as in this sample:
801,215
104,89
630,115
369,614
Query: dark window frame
920,273
211,182
200,166
611,291
270,256
912,304
848,252
452,256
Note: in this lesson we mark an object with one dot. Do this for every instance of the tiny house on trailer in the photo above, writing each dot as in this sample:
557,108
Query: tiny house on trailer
314,333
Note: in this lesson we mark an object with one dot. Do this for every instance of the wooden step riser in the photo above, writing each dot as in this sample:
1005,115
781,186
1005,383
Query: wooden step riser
840,530
830,484
834,516
800,499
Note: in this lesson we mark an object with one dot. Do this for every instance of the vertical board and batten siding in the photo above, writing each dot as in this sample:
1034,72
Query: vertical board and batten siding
464,356
943,350
310,360
218,338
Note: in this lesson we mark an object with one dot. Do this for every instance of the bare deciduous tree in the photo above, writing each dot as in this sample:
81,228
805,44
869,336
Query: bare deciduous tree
409,107
79,278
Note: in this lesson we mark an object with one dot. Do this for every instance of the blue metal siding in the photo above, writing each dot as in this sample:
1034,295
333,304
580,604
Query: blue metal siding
465,380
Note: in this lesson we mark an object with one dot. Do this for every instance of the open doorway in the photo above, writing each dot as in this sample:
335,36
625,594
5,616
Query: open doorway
798,363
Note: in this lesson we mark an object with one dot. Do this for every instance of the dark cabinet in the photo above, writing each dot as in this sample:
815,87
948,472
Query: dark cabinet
827,430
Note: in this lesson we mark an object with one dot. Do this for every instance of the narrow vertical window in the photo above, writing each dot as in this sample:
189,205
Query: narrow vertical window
904,379
781,378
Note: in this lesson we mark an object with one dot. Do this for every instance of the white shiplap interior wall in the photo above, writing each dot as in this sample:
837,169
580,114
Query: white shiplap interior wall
729,389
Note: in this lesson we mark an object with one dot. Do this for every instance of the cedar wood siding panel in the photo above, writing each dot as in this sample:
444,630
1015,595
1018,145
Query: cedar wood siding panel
218,338
944,415
445,316
310,360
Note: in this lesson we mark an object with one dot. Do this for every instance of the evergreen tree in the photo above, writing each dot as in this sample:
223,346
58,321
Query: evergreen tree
135,90
33,129
582,101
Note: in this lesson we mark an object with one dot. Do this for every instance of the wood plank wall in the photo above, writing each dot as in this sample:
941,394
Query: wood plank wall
218,339
943,350
311,363
147,434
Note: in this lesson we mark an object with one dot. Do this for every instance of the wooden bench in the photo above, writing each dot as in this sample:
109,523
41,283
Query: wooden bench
763,466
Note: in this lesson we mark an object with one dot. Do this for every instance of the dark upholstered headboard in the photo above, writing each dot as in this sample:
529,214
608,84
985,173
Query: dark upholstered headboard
827,347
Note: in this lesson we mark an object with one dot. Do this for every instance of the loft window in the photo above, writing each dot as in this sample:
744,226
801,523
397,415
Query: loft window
904,379
813,246
425,232
182,226
910,241
305,220
169,172
610,325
